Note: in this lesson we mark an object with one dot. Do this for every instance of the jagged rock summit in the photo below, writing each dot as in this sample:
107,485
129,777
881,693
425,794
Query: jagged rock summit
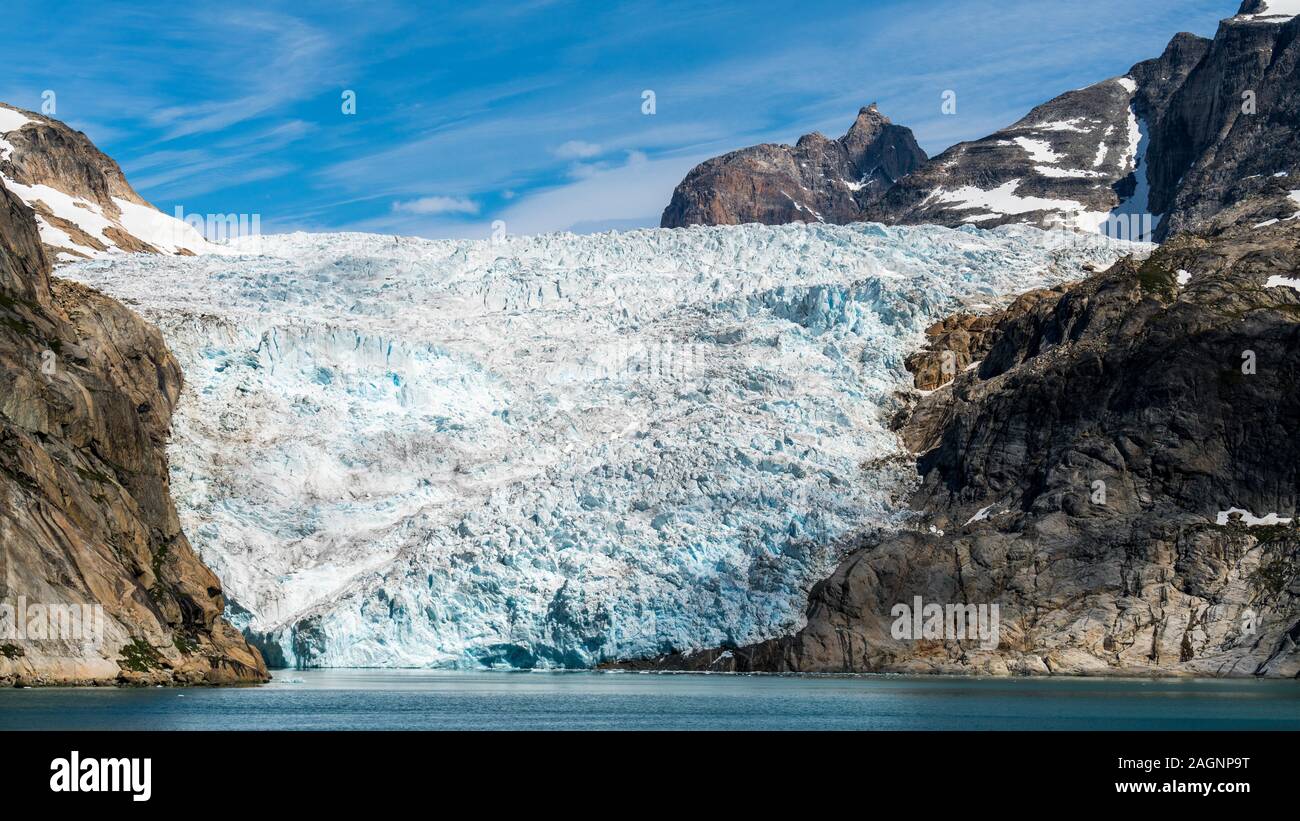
1268,10
83,204
1197,139
1225,148
816,180
1179,143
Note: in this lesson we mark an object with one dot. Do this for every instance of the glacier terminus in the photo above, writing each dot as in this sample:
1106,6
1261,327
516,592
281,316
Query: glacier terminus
551,451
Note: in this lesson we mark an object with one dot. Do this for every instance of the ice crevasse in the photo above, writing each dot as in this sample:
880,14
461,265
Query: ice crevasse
551,451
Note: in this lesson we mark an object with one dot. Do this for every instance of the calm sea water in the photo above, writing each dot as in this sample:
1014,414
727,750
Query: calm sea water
422,700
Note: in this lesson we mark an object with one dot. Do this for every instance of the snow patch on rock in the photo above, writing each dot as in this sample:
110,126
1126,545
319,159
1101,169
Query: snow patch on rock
1002,201
1039,151
1249,519
1273,9
11,120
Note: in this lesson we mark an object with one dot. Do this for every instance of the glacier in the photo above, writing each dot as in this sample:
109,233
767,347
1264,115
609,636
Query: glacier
551,451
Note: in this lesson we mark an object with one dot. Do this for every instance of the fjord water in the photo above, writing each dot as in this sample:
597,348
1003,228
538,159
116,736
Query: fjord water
423,700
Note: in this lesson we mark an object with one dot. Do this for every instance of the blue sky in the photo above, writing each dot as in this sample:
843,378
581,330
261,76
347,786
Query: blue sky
531,111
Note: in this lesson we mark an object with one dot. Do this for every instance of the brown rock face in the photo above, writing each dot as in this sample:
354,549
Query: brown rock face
47,152
1075,480
86,518
79,193
817,180
960,341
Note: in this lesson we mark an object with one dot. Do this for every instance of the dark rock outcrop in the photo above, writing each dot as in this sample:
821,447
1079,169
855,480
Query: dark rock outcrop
1230,129
86,520
961,341
816,180
1077,478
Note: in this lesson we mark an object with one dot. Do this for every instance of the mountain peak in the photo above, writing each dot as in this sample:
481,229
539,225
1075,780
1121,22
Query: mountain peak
866,129
818,180
1270,8
869,120
84,205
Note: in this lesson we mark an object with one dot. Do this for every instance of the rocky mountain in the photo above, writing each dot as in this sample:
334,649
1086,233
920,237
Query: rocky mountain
1222,149
97,581
816,180
1176,144
1116,471
84,206
1184,138
1071,161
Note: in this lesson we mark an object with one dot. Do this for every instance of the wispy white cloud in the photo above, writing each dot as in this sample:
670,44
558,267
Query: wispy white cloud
251,156
576,149
437,205
279,61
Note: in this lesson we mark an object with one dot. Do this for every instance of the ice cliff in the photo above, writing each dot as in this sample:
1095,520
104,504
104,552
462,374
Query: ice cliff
551,451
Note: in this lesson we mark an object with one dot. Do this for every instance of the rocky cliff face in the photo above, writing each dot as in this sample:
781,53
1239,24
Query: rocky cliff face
816,180
84,206
1071,161
1118,474
1228,135
97,581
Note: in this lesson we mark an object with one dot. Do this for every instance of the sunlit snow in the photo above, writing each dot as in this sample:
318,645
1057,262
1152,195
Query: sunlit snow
1274,9
1250,519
